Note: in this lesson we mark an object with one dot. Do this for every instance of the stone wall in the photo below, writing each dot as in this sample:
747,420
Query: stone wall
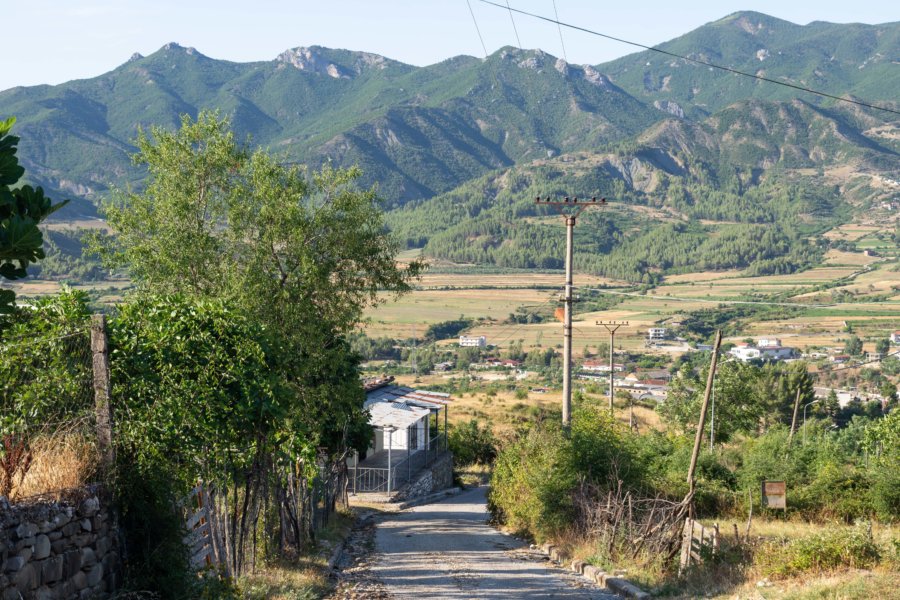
437,477
57,550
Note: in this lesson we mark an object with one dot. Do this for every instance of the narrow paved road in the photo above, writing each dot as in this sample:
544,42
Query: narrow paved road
447,550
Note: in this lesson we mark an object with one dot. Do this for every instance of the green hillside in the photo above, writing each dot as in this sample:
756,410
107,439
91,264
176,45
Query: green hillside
415,131
839,59
746,187
715,170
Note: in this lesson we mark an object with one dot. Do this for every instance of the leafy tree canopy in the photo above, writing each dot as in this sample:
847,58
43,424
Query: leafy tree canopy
21,210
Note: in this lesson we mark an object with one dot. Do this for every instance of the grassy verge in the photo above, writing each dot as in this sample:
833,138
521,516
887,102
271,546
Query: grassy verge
306,577
783,560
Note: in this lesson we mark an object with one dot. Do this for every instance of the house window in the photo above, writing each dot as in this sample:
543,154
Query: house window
412,437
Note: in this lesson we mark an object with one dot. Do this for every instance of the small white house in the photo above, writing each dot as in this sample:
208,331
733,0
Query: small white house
471,341
768,342
778,352
745,352
656,333
410,433
599,366
895,337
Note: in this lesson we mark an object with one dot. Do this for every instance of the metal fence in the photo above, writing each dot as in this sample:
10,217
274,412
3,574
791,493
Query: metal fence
387,480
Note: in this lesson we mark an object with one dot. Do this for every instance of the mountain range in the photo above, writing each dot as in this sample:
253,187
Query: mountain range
656,130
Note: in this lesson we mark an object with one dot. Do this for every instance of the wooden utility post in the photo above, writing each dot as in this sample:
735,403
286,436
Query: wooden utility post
102,409
576,209
794,419
709,384
612,327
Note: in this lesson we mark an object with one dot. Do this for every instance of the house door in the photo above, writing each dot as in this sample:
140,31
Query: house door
412,437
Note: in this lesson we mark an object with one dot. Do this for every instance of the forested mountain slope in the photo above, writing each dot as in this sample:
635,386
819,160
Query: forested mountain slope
720,171
748,186
840,59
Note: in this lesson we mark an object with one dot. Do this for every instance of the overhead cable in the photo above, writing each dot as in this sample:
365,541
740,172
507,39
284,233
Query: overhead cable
695,60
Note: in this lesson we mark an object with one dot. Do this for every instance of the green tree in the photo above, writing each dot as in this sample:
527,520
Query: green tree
883,345
853,346
22,209
301,254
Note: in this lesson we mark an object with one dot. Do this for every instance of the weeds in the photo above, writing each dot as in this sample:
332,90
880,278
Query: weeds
52,461
821,552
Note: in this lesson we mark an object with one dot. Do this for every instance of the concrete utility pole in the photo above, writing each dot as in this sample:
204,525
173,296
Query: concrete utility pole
575,209
709,385
794,419
612,327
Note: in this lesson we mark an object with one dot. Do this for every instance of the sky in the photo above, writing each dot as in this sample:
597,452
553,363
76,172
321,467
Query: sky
52,41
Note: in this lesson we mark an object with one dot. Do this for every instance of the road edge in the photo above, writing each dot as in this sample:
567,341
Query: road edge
618,585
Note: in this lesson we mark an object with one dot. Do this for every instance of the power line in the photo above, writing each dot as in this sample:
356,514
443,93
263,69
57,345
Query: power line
514,25
676,299
474,20
862,364
558,27
695,60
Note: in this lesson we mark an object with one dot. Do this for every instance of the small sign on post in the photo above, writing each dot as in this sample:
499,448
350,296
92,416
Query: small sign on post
774,494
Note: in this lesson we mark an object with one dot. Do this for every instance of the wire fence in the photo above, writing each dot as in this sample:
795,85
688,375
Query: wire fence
47,434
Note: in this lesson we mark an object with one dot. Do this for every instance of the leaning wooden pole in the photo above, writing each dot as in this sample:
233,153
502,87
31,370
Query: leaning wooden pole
699,437
794,419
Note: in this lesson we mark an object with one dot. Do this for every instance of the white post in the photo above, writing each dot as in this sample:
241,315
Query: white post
390,432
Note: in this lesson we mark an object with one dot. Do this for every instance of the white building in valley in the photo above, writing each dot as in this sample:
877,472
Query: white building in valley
656,333
472,341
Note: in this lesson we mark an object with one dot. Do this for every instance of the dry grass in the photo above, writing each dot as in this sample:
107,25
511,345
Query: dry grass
739,576
304,578
60,460
296,581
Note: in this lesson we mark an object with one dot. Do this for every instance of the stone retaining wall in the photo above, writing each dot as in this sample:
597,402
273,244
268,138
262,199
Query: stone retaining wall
439,476
57,550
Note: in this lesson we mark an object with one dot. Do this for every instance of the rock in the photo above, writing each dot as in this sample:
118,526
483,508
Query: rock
11,593
26,553
87,525
578,566
79,581
590,571
25,543
101,546
51,569
61,545
27,578
14,563
44,593
26,530
71,563
88,557
54,535
89,507
95,575
41,547
626,588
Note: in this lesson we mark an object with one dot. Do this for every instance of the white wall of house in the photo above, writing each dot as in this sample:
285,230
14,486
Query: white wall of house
745,353
400,438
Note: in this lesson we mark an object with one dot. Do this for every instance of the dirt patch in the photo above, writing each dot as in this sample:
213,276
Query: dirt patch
353,574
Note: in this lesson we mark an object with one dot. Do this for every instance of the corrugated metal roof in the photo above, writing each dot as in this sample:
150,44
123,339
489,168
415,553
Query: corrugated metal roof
399,393
395,414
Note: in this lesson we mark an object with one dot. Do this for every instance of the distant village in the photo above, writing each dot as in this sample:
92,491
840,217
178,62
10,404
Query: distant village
652,383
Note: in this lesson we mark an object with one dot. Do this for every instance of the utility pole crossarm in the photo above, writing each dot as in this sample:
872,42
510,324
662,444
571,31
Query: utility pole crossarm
612,327
570,209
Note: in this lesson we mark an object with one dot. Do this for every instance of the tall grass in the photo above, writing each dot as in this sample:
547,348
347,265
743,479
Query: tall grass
61,459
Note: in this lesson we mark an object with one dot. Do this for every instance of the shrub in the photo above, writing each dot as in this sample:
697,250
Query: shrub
472,444
535,477
826,551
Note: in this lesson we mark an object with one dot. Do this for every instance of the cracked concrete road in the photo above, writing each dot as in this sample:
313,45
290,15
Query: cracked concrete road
447,550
